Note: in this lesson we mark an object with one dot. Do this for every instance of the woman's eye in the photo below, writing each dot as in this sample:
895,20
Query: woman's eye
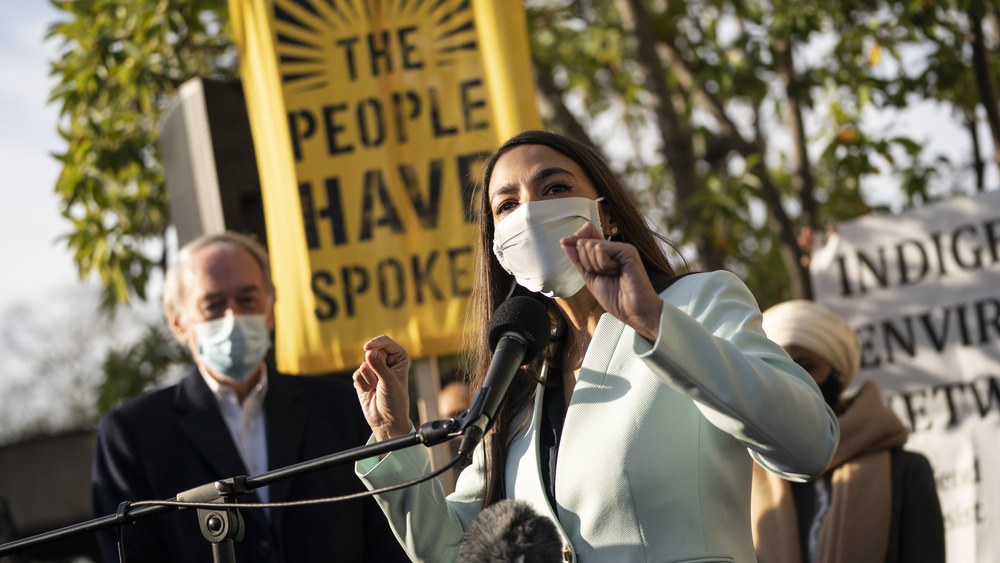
557,189
504,207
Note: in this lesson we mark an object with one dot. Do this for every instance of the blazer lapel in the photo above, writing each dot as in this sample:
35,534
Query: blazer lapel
529,485
201,421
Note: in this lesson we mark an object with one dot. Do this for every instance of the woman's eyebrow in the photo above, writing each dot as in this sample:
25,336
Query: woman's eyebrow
546,172
537,177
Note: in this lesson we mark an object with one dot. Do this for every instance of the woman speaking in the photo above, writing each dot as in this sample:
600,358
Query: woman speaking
632,432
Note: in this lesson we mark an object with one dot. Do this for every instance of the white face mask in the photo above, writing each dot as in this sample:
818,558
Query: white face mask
526,243
234,345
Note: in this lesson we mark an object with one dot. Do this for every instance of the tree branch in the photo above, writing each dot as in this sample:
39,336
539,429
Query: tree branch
778,220
675,132
552,95
806,186
984,82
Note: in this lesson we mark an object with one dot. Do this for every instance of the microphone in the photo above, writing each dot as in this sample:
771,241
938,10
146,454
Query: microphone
510,531
517,334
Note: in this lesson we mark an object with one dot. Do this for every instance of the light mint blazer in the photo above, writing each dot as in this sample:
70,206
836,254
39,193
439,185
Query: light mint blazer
652,462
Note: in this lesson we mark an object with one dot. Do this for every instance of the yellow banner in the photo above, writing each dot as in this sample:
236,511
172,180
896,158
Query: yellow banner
370,119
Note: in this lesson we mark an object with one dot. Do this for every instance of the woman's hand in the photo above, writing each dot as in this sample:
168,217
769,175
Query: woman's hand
381,383
616,277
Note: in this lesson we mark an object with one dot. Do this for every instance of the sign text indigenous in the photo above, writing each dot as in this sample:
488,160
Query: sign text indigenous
922,290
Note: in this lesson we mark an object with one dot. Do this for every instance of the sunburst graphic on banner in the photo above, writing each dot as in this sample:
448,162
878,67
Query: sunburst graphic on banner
317,39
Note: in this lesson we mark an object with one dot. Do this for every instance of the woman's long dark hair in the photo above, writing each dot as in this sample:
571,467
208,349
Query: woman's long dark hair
492,285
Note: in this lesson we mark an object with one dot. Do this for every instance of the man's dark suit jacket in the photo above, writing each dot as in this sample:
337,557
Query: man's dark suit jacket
171,440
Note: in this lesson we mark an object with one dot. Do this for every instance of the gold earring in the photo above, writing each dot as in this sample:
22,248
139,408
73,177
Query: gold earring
614,230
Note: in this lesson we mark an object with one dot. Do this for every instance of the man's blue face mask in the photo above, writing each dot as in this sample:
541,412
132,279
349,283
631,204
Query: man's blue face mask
234,345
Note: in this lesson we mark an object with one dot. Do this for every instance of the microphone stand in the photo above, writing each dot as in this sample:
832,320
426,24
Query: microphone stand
224,525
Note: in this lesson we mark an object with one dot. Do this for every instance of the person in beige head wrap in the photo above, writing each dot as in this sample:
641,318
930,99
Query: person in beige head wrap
806,328
852,513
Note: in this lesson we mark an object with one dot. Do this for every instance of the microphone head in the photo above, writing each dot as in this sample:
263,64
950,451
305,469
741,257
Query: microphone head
510,531
525,316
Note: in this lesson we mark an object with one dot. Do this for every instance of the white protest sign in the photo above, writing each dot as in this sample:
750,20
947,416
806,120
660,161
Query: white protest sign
922,290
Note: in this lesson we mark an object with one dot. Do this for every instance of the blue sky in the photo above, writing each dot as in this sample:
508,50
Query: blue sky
52,342
35,264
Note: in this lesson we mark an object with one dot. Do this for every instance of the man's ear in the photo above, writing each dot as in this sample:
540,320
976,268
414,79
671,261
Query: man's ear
178,328
270,317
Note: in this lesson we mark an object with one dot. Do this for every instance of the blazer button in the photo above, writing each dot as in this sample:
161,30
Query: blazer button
264,547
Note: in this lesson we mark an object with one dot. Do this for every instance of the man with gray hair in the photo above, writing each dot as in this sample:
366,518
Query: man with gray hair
232,415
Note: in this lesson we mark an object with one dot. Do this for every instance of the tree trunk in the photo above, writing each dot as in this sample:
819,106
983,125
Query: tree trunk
977,158
801,281
780,224
675,132
804,180
730,139
555,110
985,84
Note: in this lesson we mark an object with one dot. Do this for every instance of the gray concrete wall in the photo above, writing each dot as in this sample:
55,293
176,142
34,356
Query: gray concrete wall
46,482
